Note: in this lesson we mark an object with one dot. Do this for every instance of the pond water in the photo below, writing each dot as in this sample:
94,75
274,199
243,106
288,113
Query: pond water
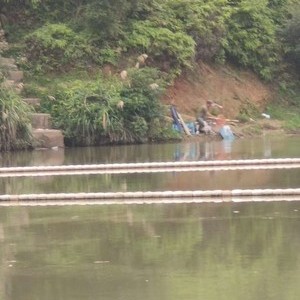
266,147
208,251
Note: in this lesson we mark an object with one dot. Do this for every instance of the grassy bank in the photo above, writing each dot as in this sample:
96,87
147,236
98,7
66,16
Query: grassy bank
286,106
15,132
74,56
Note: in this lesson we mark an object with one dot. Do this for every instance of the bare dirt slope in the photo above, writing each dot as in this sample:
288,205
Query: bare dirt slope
232,88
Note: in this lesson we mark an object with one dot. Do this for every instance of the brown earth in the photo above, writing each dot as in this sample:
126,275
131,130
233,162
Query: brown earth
236,90
232,88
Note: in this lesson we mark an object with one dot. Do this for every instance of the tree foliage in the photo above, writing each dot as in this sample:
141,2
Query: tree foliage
251,37
204,22
291,35
174,32
162,44
57,46
62,35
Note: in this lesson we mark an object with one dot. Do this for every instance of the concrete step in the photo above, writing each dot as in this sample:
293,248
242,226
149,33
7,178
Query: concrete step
3,45
32,101
40,121
10,84
47,138
8,64
16,76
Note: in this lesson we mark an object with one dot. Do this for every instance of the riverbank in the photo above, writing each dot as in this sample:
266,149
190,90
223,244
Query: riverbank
248,130
258,105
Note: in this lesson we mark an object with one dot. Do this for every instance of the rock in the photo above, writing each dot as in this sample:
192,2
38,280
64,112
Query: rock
153,86
141,60
123,74
120,104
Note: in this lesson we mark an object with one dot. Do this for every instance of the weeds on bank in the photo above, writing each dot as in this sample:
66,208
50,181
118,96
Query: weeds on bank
289,115
286,106
248,111
94,109
15,131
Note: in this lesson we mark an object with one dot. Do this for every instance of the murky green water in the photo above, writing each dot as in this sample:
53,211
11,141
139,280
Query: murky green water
214,251
274,147
204,251
266,147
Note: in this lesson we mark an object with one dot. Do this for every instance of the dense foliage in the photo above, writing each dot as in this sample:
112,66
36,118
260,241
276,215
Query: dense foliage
251,38
63,36
110,111
291,35
57,47
173,32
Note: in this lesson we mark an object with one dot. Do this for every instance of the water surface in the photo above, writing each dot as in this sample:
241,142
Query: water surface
187,251
211,251
193,150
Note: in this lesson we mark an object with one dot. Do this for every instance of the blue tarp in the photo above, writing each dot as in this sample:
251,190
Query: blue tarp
226,133
191,127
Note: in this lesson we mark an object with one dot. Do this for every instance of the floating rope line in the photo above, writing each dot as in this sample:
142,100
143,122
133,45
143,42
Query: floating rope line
151,167
213,195
160,201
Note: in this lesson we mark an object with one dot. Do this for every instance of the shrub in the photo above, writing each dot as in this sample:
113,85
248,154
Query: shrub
251,37
291,35
140,100
160,130
248,111
94,116
139,128
162,44
15,131
57,47
204,21
91,107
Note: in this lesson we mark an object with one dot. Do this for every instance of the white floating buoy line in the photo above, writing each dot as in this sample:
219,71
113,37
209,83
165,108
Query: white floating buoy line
150,167
183,196
200,196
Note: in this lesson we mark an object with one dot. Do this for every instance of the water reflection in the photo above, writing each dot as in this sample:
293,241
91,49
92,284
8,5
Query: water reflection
267,146
199,150
224,251
264,147
211,251
206,149
171,181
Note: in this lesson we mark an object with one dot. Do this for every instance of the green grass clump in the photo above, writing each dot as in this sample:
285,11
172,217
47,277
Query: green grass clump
286,106
15,127
290,115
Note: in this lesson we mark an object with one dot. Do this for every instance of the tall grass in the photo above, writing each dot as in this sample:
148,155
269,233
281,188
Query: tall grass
286,106
15,130
89,113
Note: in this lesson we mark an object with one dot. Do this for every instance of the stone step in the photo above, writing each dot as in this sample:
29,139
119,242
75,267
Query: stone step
16,76
8,64
47,138
10,84
40,121
3,45
32,101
